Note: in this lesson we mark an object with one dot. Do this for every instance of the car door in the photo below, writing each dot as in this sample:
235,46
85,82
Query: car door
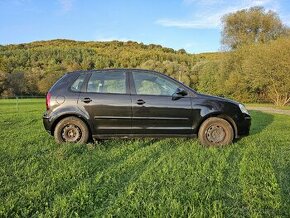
107,101
154,109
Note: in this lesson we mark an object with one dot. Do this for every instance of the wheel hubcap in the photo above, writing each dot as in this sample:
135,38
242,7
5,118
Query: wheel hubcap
215,134
71,133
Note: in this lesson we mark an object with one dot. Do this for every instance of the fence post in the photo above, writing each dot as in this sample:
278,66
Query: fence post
17,108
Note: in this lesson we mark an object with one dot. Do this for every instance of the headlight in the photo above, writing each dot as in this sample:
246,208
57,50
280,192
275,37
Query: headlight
243,109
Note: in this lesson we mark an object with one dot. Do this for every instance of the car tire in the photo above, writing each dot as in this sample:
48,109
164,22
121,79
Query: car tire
215,131
72,130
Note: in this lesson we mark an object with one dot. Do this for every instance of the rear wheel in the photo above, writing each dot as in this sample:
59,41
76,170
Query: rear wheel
215,132
71,129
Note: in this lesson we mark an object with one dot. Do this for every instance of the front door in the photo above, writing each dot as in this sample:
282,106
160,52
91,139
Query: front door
108,102
154,110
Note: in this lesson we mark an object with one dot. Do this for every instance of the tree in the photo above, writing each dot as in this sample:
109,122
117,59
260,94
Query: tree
251,26
182,51
209,79
16,83
3,79
268,68
47,81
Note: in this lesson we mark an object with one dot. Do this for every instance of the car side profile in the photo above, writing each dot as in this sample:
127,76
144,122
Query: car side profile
125,103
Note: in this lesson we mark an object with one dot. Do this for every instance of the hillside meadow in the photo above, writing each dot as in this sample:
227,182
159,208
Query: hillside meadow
141,177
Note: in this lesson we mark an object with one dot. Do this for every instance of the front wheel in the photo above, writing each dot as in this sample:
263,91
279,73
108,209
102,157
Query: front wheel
71,129
215,132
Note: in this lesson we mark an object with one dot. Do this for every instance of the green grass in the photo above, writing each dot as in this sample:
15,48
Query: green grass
168,177
286,107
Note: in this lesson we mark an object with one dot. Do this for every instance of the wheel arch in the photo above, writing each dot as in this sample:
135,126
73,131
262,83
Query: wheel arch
58,119
223,116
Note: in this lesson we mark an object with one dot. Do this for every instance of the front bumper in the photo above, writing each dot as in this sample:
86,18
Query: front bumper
244,125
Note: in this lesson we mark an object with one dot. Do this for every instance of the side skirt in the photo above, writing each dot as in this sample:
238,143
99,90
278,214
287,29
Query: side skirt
108,136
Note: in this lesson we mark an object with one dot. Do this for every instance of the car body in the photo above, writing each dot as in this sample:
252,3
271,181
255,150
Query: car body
138,103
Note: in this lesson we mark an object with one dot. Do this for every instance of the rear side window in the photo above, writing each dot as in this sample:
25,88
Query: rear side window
77,85
107,82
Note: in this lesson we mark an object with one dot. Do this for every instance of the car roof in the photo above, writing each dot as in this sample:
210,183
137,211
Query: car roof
111,69
120,70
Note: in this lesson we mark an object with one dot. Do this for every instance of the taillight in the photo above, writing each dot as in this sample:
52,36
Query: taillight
48,96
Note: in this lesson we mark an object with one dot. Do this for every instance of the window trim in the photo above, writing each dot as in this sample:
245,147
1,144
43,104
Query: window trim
130,85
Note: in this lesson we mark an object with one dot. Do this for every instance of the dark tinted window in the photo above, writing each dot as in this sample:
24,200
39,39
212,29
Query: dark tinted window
153,84
77,85
107,82
60,82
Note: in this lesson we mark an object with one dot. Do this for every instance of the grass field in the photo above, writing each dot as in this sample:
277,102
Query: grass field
168,177
286,107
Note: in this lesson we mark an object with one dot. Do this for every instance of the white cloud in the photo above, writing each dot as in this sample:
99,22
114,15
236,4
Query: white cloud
199,21
66,5
207,14
194,23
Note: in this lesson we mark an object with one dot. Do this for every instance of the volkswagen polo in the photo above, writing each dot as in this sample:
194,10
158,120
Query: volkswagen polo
125,103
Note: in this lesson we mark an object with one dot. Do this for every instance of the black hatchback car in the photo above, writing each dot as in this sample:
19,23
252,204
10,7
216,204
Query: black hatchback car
138,103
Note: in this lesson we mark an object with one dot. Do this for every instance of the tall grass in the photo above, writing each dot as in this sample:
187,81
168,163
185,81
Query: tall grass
142,177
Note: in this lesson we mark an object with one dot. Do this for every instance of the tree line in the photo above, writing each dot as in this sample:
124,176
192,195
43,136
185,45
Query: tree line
255,66
32,68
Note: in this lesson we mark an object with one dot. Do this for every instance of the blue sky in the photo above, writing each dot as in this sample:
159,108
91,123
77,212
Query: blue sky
190,24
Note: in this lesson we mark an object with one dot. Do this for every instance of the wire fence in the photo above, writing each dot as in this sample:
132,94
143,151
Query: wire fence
23,97
21,103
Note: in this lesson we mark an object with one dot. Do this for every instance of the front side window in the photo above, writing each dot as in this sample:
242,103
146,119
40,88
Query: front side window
153,84
107,82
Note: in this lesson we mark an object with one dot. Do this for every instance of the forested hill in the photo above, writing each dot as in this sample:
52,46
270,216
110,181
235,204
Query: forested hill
38,64
251,73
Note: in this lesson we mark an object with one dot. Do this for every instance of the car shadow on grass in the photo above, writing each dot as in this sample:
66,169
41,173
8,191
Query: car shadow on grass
260,121
111,143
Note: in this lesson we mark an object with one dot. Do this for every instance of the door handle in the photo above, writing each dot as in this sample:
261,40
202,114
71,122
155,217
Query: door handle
140,102
86,100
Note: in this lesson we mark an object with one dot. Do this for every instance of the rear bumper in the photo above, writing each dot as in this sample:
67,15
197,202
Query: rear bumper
47,123
244,126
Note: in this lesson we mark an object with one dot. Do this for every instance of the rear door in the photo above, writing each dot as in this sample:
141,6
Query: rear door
154,110
108,102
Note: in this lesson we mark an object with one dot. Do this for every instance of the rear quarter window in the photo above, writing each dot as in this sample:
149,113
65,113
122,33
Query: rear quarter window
59,82
77,85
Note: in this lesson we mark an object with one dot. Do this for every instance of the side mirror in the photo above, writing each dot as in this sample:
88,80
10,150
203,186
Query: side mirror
179,93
